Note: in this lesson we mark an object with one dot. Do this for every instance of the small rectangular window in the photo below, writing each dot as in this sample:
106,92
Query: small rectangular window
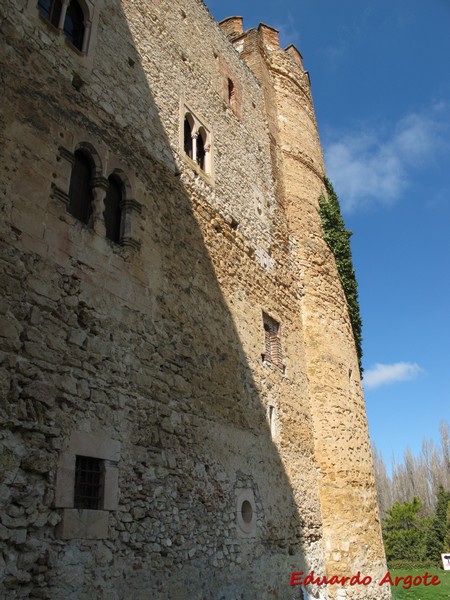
272,341
88,483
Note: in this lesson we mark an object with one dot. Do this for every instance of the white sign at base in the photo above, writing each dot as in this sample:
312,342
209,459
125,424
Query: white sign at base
446,561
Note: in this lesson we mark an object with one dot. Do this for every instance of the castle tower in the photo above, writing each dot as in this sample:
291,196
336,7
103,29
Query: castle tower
351,528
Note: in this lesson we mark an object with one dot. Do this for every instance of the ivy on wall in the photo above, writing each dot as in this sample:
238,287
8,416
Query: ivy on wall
338,240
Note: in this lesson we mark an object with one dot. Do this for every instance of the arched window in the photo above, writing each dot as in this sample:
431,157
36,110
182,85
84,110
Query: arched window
201,141
80,190
113,209
74,24
70,17
50,10
188,126
196,142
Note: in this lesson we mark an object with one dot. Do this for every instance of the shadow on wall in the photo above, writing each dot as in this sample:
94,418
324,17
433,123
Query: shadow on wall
206,509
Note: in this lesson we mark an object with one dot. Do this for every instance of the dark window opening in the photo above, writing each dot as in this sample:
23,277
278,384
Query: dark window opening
188,137
74,24
80,190
231,94
113,210
88,483
50,10
246,512
272,341
201,150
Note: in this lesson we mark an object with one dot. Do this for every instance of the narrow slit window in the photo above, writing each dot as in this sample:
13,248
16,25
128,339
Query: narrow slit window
88,491
272,420
231,94
201,152
80,190
113,210
188,137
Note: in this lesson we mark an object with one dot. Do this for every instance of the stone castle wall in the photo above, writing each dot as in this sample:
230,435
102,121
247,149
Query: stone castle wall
148,355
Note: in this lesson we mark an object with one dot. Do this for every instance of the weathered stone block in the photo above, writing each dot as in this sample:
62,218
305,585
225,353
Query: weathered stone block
83,524
40,391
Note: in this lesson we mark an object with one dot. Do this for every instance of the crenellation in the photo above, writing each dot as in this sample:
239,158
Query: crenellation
232,27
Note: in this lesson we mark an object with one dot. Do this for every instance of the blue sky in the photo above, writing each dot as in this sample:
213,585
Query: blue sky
380,74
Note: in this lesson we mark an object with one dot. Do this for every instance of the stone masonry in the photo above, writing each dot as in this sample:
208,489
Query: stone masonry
205,364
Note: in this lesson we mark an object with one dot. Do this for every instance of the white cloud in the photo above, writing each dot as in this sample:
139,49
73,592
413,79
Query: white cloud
370,166
288,31
380,374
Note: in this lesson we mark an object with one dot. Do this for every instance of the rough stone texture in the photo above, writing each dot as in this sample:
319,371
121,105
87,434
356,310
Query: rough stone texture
158,348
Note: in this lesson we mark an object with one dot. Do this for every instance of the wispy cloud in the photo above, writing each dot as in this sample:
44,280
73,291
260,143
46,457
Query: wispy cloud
376,167
380,374
288,31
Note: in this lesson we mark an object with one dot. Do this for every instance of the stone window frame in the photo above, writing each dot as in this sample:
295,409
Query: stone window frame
91,18
198,126
273,351
245,498
79,523
104,166
272,419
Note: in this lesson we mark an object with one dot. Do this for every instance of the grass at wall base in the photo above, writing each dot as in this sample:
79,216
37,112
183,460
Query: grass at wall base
420,592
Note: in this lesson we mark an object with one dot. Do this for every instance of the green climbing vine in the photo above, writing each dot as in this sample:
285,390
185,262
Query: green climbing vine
338,240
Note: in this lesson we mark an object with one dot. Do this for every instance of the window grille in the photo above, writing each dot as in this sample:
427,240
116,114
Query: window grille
272,340
88,483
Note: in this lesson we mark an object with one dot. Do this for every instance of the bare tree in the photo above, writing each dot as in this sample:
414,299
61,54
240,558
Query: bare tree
383,483
445,444
412,477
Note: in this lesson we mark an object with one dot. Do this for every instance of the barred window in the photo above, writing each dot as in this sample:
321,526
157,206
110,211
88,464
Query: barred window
272,341
88,483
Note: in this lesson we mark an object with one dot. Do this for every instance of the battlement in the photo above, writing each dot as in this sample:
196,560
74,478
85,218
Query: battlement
262,38
232,27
